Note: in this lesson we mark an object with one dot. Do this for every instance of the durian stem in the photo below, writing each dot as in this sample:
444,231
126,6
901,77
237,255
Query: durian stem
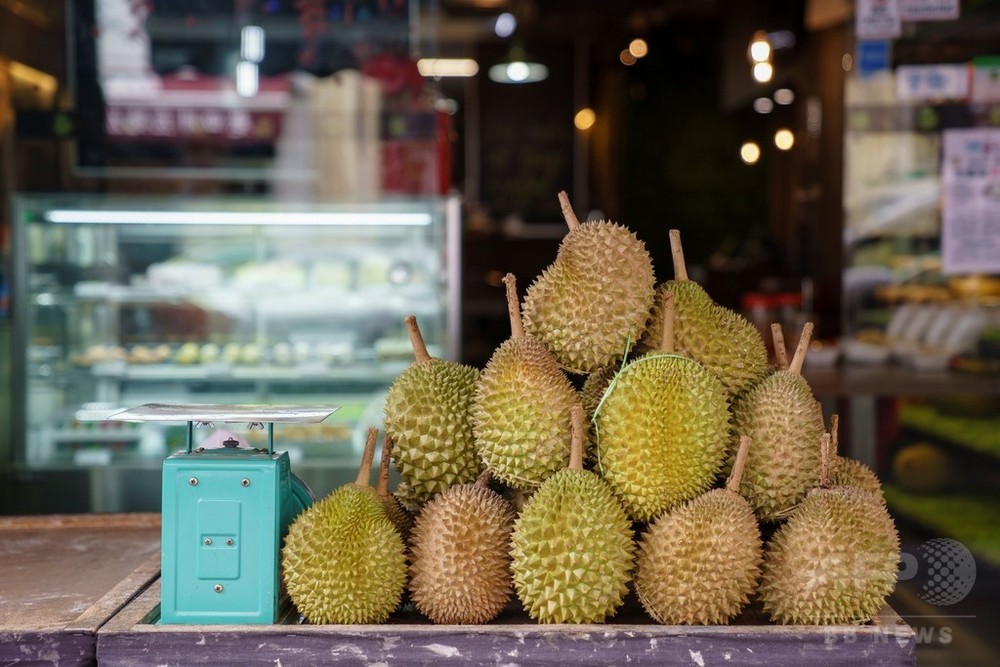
513,307
416,339
834,435
365,471
780,351
800,351
736,476
576,448
677,252
824,470
382,486
669,313
567,211
484,479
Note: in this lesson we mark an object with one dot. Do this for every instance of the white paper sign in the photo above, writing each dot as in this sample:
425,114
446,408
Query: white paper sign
928,10
916,83
970,218
877,19
986,82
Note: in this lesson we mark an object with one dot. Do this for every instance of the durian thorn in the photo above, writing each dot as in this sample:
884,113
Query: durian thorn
824,470
669,314
800,351
484,478
576,446
780,351
365,471
513,307
677,253
736,476
834,435
567,211
382,486
416,339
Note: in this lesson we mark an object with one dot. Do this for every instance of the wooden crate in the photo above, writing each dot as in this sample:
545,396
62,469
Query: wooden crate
62,577
132,637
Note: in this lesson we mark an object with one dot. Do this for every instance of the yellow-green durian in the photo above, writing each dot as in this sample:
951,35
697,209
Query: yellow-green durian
663,430
848,472
780,417
460,557
572,546
520,414
343,561
699,563
427,416
594,298
723,341
834,561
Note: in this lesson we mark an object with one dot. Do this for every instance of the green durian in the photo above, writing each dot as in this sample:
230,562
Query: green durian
572,545
834,561
343,561
723,341
663,429
922,467
848,472
427,416
780,417
520,414
700,562
460,570
594,298
594,387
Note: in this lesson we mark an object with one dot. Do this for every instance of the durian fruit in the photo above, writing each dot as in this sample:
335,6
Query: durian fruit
834,561
343,561
520,414
723,341
780,416
460,569
572,545
663,430
699,563
400,517
848,472
923,468
594,298
594,387
427,417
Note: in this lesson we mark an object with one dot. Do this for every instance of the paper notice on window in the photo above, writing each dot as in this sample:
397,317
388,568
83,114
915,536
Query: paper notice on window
877,19
970,216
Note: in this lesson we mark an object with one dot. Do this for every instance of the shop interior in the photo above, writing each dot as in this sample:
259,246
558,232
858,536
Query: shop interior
238,202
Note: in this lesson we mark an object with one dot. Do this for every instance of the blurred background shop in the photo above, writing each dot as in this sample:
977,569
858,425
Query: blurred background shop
239,201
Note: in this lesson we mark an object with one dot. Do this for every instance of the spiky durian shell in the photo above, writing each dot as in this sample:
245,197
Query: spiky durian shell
779,415
404,495
573,550
399,516
343,561
663,433
593,298
700,562
427,416
833,562
594,387
520,415
723,341
848,472
460,570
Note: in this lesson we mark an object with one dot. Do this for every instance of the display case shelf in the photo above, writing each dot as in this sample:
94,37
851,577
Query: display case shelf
976,434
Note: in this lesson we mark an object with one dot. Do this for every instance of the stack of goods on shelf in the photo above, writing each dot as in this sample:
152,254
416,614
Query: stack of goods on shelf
705,480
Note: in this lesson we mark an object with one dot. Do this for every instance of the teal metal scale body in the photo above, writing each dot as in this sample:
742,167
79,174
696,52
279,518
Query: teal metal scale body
226,509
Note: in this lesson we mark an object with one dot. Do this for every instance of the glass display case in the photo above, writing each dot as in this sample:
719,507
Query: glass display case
120,302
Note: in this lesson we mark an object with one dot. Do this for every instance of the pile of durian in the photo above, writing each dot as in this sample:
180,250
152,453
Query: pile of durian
680,451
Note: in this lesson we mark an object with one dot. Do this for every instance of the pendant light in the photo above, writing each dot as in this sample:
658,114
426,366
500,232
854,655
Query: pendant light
518,67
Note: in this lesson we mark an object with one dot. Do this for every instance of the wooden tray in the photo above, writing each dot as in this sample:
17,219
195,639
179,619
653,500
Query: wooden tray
133,637
62,577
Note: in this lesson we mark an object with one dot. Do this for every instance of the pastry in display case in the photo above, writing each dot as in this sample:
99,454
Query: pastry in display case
120,302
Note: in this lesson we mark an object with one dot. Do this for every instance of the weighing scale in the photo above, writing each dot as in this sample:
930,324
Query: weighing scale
226,509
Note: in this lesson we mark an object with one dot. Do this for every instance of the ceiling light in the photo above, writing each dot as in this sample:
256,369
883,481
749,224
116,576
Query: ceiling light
750,152
763,72
247,78
784,96
626,57
760,48
584,119
441,67
784,139
505,25
518,67
638,48
252,43
763,105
